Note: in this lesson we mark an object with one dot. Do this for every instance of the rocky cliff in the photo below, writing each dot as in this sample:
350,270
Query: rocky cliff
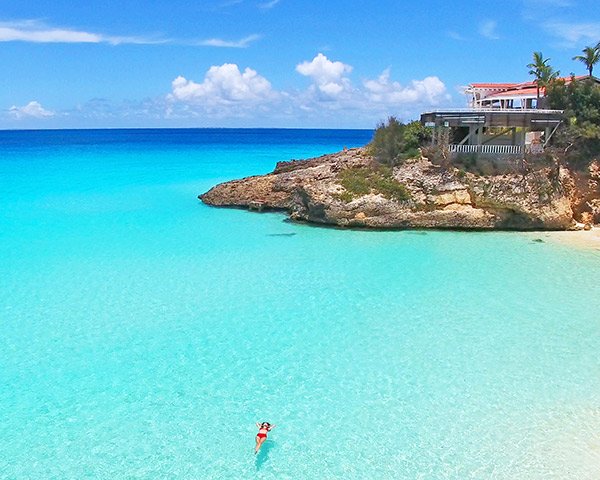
316,191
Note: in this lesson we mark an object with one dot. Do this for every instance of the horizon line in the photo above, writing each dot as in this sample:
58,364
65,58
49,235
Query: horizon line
174,128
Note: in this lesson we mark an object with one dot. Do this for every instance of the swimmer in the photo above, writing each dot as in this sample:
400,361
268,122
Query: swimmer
261,436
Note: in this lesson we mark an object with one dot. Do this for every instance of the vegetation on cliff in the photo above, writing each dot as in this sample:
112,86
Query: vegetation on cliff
578,138
393,141
577,141
363,180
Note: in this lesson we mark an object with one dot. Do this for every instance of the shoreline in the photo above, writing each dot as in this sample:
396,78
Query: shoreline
588,240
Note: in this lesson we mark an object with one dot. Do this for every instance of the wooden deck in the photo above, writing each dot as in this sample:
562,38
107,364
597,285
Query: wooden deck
531,119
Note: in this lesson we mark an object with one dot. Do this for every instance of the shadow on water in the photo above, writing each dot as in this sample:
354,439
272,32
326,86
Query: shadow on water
263,455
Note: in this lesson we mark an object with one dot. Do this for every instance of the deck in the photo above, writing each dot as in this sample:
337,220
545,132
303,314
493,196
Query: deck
493,117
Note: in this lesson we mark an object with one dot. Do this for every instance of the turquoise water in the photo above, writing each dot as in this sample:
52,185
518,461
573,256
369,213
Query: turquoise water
144,333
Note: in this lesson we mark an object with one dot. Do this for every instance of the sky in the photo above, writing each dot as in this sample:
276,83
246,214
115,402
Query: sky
269,63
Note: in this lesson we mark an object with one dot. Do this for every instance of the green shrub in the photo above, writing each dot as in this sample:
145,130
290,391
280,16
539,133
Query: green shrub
356,181
361,181
345,197
578,137
390,188
394,141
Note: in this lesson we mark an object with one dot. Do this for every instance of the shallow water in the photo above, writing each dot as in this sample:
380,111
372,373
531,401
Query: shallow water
144,333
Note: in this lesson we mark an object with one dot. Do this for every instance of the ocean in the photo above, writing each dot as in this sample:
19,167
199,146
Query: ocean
143,333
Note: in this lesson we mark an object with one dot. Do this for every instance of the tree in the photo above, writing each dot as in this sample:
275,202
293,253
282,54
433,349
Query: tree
536,68
590,57
578,137
388,142
543,72
549,75
394,142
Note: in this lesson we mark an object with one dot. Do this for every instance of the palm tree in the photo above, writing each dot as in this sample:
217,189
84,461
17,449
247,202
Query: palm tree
590,57
549,75
544,74
537,68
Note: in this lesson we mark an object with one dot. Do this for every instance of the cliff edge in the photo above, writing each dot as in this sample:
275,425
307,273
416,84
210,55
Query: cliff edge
349,189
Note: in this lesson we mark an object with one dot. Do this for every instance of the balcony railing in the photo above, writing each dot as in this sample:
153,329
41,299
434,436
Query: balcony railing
495,110
493,149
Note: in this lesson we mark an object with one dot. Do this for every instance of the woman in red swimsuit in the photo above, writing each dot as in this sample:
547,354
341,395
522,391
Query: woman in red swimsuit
261,436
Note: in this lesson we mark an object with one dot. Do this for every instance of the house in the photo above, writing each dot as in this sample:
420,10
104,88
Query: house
511,95
496,131
503,119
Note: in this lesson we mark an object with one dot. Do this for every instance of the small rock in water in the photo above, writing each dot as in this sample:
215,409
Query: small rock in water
537,240
280,234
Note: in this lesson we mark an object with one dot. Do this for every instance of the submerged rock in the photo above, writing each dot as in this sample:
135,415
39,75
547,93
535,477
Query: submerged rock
435,197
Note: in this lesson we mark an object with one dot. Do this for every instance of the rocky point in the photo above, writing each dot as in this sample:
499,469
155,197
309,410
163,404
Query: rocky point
437,197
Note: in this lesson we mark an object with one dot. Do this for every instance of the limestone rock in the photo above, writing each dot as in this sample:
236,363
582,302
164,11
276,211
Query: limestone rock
311,191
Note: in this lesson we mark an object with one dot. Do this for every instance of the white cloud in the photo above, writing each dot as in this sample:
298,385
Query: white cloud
487,29
323,70
328,76
429,91
226,92
268,5
572,34
535,11
34,31
32,110
37,32
223,85
229,3
217,42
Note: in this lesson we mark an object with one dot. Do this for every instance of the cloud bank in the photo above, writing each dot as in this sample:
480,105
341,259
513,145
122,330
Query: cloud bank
228,95
226,91
32,110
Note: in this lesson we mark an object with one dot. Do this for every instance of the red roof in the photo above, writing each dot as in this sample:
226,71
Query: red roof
493,85
510,86
516,92
528,89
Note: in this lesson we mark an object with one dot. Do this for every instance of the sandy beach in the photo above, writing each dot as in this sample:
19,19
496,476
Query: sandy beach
578,238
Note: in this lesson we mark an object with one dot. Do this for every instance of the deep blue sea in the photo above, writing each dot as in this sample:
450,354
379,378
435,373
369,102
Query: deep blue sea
142,333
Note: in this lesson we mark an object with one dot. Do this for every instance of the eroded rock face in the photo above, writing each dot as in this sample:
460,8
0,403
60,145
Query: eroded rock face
311,191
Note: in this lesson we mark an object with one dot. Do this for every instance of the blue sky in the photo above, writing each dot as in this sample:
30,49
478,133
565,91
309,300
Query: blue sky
268,63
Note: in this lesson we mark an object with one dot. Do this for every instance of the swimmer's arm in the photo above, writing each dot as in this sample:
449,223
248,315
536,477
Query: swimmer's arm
258,425
272,427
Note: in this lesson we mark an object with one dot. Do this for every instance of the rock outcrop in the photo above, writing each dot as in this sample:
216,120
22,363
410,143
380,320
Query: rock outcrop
312,191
